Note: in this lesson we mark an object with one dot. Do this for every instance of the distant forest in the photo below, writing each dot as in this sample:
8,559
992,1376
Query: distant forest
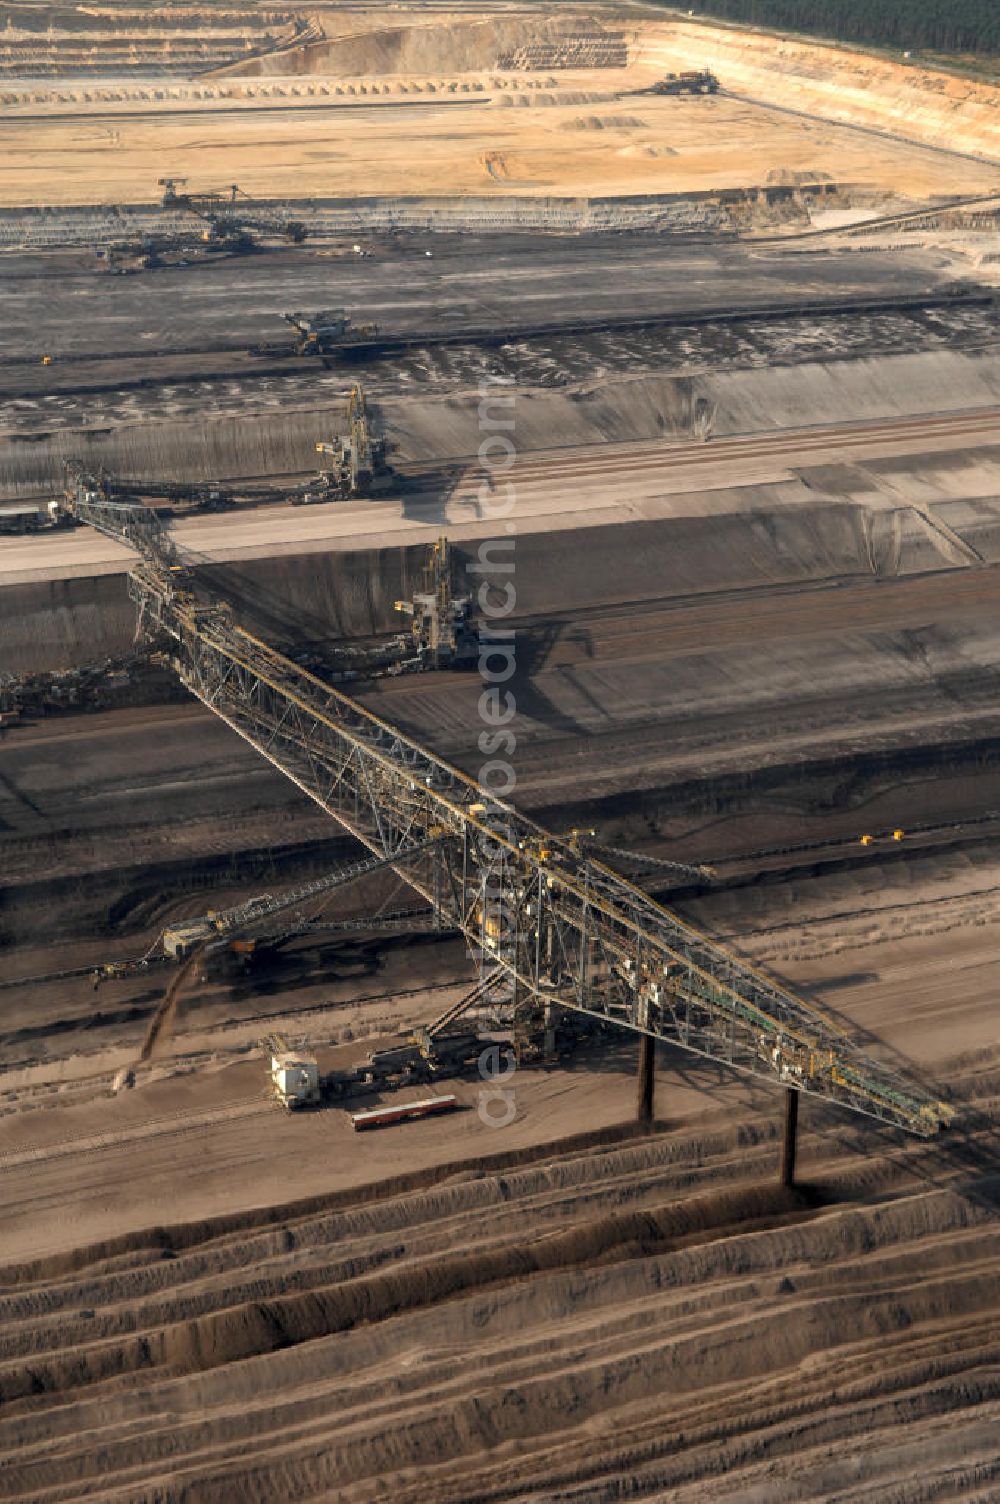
931,25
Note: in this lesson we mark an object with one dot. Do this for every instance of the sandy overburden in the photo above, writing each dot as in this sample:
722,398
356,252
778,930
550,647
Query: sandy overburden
835,82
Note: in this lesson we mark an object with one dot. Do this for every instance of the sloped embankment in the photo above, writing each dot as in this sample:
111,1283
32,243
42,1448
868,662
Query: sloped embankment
436,45
546,1323
916,103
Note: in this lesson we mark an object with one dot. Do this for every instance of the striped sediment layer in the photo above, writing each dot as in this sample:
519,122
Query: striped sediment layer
576,1310
278,442
89,224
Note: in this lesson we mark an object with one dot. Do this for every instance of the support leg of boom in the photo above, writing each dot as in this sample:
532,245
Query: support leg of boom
788,1142
644,1096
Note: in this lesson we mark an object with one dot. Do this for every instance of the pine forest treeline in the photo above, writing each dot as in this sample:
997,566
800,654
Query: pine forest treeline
931,25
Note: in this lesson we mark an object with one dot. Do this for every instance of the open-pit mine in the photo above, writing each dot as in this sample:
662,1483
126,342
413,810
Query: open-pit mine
499,759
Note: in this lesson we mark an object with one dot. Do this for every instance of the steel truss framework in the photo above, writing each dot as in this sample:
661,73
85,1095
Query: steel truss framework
565,930
269,911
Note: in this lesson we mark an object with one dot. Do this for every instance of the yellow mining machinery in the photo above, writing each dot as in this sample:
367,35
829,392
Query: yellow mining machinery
233,220
442,623
356,457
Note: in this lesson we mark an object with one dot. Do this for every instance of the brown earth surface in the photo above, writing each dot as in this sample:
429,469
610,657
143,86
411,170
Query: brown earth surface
747,652
203,1299
217,1302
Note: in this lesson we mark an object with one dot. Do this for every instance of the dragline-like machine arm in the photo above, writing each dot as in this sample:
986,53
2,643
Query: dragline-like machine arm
562,927
259,917
230,214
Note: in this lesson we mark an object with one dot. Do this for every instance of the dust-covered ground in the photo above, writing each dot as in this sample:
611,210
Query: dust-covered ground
753,674
540,1318
757,539
452,1311
495,106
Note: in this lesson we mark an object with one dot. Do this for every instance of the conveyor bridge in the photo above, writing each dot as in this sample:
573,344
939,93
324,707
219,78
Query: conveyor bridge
564,929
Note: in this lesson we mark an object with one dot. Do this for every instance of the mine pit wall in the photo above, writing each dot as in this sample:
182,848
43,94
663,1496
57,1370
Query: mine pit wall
925,783
427,430
799,532
62,624
460,46
710,211
345,597
330,597
935,779
911,102
778,538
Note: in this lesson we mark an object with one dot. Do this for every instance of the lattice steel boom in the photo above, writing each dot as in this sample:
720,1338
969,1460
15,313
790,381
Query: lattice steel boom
565,929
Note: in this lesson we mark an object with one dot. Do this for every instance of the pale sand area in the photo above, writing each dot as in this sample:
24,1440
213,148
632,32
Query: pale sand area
642,145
